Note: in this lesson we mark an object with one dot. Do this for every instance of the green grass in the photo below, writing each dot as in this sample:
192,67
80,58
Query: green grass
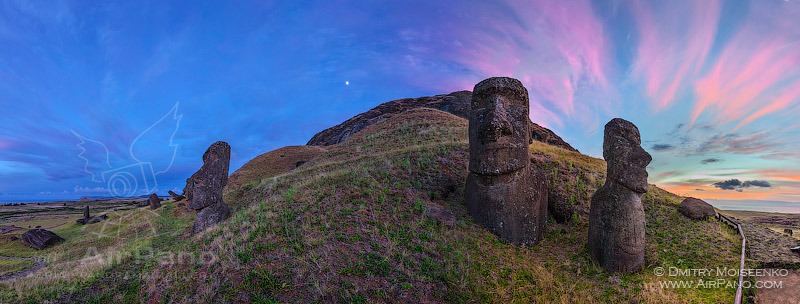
354,225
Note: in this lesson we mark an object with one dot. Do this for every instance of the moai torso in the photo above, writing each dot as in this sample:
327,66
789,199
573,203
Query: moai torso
503,192
616,218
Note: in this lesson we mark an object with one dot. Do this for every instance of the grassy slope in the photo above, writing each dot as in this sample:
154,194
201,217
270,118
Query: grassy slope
353,225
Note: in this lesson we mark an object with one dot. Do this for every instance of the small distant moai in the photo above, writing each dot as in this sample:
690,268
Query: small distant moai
616,215
154,201
206,185
504,192
86,212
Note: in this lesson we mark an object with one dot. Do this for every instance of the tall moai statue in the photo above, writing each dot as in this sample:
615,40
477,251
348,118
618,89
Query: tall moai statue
504,192
616,216
205,187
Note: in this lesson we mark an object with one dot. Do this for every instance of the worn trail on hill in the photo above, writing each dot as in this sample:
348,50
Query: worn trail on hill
37,264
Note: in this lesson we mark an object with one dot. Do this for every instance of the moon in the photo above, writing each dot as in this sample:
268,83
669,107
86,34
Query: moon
347,82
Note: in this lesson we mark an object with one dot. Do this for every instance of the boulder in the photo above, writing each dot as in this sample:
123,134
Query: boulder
175,197
504,192
154,201
616,215
696,209
40,238
206,187
788,231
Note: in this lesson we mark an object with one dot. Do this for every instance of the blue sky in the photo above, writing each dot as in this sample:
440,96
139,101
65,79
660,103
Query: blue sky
712,85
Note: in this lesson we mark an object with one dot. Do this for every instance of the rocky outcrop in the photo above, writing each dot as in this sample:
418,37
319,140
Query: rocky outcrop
175,197
206,187
40,238
456,103
696,209
616,215
504,192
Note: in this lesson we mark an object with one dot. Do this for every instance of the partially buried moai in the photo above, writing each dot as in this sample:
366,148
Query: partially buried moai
504,192
616,216
206,186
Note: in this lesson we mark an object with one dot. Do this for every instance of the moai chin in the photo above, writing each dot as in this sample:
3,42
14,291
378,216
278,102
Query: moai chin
504,192
616,216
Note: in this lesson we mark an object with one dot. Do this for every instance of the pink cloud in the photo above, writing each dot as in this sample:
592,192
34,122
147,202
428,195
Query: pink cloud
758,71
674,42
556,48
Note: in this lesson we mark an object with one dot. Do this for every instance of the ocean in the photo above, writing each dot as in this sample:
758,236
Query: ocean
763,206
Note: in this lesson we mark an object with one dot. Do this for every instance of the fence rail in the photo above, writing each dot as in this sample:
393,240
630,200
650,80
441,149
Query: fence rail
738,227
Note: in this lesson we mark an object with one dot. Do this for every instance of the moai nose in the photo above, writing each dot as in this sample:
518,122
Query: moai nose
498,119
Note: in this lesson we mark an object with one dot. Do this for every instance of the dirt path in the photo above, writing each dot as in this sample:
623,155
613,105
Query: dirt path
37,264
787,293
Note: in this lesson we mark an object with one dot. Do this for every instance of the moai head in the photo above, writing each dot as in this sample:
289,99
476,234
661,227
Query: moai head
498,127
626,160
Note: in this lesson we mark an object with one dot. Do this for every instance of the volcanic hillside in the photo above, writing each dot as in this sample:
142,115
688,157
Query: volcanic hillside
379,217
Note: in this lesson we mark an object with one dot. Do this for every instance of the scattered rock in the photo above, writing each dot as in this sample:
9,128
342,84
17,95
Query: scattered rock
206,187
696,209
559,206
504,192
40,238
154,201
616,215
175,197
442,216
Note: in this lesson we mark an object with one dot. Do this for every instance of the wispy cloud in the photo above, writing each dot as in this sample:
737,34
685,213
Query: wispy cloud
758,70
674,43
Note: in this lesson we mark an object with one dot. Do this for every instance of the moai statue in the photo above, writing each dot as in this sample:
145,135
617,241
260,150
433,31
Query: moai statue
616,216
504,192
206,187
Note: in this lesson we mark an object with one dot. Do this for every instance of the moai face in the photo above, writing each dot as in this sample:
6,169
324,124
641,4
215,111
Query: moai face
498,127
627,160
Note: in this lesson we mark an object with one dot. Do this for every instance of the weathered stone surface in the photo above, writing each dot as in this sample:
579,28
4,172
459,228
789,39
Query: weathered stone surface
40,238
88,219
175,197
616,216
210,216
456,103
206,187
208,182
696,209
154,201
503,192
92,220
